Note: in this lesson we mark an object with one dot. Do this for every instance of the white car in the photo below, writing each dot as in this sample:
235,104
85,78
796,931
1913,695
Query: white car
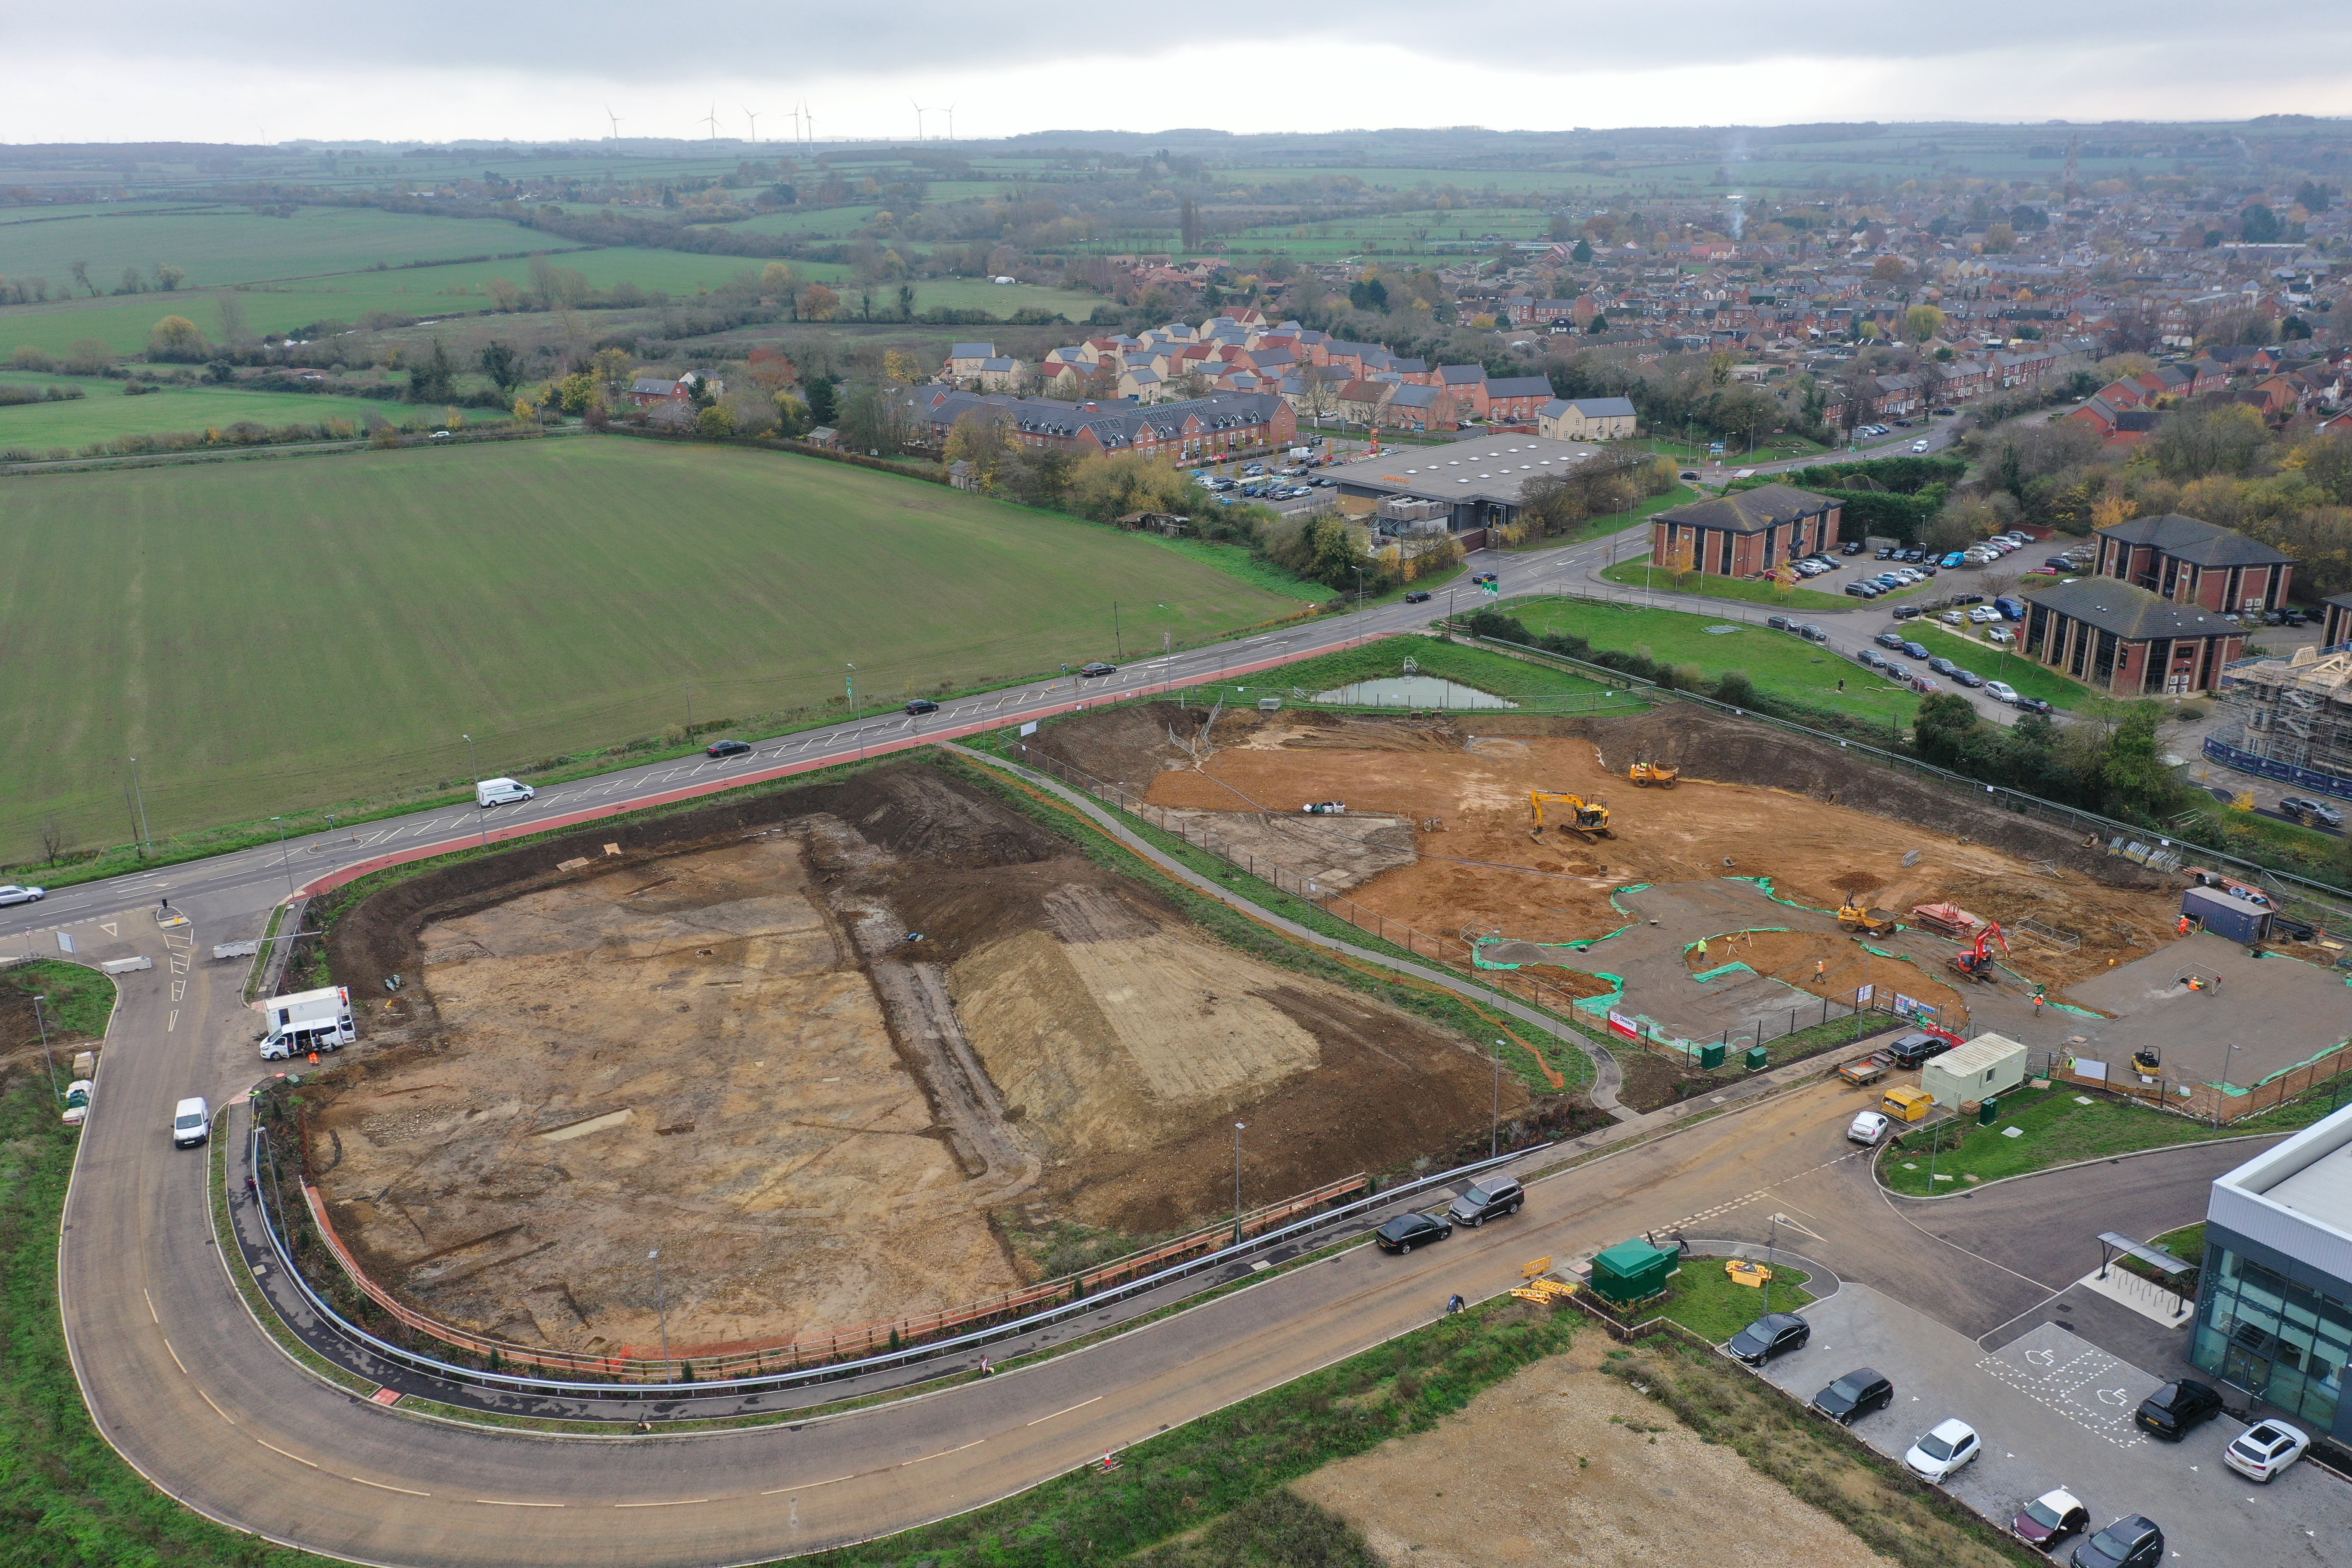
1868,1127
13,894
192,1122
2264,1449
1984,615
1939,1453
78,1095
2001,691
2000,634
1918,446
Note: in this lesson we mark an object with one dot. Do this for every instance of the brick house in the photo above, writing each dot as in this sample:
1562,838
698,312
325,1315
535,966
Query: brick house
1468,383
2188,561
1192,430
1516,399
2119,638
1586,419
1747,531
653,391
2336,620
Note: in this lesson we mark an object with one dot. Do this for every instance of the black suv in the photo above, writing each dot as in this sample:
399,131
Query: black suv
1855,1395
1916,1048
1492,1197
2171,1411
2133,1542
1774,1333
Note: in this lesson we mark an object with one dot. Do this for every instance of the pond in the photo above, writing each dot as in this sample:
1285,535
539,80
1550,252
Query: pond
1412,691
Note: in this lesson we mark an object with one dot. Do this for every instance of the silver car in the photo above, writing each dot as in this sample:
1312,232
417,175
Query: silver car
13,894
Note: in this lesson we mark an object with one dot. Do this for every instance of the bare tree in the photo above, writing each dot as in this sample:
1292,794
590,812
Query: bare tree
53,840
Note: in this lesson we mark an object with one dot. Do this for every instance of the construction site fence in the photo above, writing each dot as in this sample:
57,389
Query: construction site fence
2329,903
1574,1009
794,1364
2215,1105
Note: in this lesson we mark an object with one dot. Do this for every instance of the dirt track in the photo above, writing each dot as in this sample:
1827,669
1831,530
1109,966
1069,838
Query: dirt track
732,1050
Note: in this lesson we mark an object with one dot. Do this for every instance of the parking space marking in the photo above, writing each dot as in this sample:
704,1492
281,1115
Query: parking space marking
2094,1390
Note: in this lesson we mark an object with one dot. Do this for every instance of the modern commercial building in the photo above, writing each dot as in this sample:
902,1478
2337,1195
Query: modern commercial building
2125,640
2191,562
1746,531
2274,1298
1477,482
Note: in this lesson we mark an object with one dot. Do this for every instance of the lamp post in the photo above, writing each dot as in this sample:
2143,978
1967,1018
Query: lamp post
858,714
1117,642
1494,1133
1771,1235
1238,1128
474,761
661,1308
146,839
39,997
286,864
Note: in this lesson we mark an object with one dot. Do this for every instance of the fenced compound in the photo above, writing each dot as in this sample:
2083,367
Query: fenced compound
2215,1104
2055,938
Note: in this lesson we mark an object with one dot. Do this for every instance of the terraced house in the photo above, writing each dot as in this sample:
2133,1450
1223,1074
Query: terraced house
1190,430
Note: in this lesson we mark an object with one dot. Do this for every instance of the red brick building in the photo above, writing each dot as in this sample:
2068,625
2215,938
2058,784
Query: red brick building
2188,561
2119,638
1747,531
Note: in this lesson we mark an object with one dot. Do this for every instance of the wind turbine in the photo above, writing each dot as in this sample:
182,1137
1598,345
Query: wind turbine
711,120
950,111
755,126
795,113
616,120
808,115
919,111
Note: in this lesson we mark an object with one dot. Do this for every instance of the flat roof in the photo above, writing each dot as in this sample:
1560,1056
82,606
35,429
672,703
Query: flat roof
1491,469
1984,1051
2322,1190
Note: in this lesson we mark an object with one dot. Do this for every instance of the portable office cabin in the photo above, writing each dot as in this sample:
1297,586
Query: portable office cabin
1633,1270
2225,916
1987,1066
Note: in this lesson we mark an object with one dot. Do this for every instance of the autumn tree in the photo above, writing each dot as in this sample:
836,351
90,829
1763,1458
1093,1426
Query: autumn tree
819,304
168,277
900,367
771,371
176,337
777,280
1888,269
980,438
1921,323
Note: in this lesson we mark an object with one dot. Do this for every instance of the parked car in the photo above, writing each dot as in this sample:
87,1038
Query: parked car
2131,1542
1906,612
1891,639
2295,617
2034,704
2000,636
1688,473
1953,619
1867,1128
1925,687
1810,633
1884,553
1853,547
1946,412
1418,596
2010,608
11,893
78,1095
1408,1231
2060,561
1940,1451
1864,590
1773,1335
726,749
1941,665
1968,677
1964,600
2265,1448
1916,1048
192,1122
2311,813
1914,650
2172,1412
2049,1519
2001,691
920,705
1954,558
1097,668
1492,1197
1854,1395
1780,623
1868,659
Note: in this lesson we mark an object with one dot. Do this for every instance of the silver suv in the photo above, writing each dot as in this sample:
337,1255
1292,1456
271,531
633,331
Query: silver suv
1493,1196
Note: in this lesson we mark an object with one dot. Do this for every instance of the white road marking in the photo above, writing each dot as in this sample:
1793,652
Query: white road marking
175,1357
216,1409
382,1488
674,1502
173,1023
501,1502
1081,1405
151,1306
276,1450
805,1486
943,1454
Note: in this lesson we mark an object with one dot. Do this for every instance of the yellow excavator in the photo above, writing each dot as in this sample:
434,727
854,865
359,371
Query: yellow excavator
1872,922
1586,819
1646,773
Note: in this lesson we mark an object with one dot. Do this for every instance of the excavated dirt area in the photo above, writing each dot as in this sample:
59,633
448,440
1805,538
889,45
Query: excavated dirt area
726,1044
1753,803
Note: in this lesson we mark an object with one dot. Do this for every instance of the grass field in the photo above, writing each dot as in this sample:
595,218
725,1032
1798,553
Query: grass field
225,244
1778,663
103,412
1637,574
264,637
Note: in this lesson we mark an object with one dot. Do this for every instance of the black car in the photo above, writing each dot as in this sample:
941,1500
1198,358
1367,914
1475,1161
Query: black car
1914,650
2035,705
1482,579
1774,1333
1783,623
1408,1231
1862,590
1941,665
1097,668
2309,811
2172,1411
1884,553
1418,596
2133,1542
2296,618
1855,1395
1960,601
1909,612
726,749
1850,547
1689,474
1914,556
1916,1048
1891,639
1868,659
921,705
1811,633
1493,1196
1968,677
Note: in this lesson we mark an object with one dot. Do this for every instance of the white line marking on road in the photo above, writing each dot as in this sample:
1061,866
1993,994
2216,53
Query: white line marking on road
674,1502
173,1023
805,1485
501,1502
216,1409
943,1454
382,1488
175,1357
151,1306
1081,1405
276,1450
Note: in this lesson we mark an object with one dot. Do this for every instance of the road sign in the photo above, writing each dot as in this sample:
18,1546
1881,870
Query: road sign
65,942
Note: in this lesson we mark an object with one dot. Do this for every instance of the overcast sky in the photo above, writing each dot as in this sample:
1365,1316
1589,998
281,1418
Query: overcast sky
244,70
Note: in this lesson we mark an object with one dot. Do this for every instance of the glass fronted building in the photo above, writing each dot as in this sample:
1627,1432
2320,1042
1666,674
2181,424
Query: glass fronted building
2274,1302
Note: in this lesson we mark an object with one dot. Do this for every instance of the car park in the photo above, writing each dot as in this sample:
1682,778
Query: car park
1491,1197
2001,691
1773,1335
1854,1395
192,1122
2177,1408
2264,1449
1407,1231
2049,1519
1867,1128
1097,668
2311,813
726,749
11,893
921,705
1940,1451
1914,650
2133,1542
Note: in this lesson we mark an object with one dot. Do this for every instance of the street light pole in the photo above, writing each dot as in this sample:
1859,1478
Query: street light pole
1771,1235
474,761
1117,642
857,714
1495,1134
146,839
285,863
661,1308
38,997
1238,1129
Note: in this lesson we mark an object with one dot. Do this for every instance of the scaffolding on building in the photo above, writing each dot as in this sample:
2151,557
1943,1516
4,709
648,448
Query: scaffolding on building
2296,714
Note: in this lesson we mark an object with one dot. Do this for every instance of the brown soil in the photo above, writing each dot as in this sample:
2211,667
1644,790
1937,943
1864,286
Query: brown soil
1792,956
1562,1464
1652,1080
724,1044
1754,802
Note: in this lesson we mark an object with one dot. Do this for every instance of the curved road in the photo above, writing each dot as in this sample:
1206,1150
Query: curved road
187,1387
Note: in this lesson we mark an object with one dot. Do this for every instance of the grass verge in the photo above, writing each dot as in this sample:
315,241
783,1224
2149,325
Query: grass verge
1220,1463
2027,678
75,999
1708,1301
1817,1461
2061,1124
1631,574
1499,674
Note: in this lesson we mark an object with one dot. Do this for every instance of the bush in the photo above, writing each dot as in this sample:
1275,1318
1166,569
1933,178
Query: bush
40,362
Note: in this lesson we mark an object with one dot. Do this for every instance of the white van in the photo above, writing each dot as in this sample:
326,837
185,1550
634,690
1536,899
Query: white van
501,792
192,1123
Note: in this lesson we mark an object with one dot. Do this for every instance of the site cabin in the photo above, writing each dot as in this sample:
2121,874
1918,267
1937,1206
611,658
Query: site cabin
2225,916
307,1021
1988,1065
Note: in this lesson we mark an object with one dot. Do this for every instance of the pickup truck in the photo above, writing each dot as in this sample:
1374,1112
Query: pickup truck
1866,1071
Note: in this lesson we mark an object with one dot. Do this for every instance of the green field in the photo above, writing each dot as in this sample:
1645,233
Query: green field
217,245
264,637
1778,663
1637,574
103,412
